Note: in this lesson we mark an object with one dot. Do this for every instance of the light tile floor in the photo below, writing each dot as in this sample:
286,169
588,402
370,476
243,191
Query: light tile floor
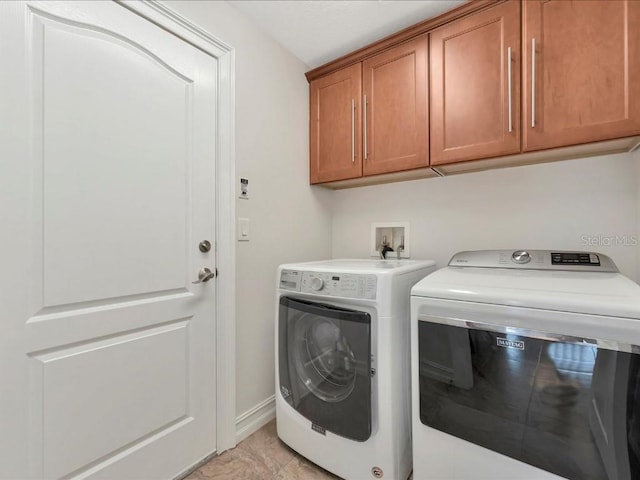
262,456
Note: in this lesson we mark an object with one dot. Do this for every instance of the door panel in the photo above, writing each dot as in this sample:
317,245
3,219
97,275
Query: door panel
335,118
470,86
109,347
587,72
396,123
157,383
87,175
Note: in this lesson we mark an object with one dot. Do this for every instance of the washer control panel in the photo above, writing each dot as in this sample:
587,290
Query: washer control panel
347,285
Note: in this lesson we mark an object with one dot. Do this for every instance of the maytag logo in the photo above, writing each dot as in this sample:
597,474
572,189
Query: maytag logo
506,343
318,428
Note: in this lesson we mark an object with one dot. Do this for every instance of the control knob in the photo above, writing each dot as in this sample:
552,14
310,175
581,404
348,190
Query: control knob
317,284
521,256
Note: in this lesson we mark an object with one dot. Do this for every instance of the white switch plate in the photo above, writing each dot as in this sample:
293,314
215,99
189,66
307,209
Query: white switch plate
243,229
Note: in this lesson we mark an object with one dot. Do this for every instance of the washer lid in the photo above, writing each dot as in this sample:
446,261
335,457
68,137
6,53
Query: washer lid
610,294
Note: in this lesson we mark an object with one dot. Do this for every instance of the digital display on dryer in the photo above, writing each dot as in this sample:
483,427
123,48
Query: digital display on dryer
574,258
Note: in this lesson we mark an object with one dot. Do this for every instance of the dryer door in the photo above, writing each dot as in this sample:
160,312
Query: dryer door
325,366
568,405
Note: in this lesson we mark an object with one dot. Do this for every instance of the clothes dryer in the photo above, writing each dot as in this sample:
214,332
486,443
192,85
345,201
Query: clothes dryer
526,365
342,364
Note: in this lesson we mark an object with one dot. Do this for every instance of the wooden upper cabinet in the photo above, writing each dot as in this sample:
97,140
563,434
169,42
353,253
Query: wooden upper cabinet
475,86
581,71
491,78
396,128
335,126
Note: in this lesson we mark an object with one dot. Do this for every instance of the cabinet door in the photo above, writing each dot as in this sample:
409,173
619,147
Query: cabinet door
581,71
395,102
335,126
475,86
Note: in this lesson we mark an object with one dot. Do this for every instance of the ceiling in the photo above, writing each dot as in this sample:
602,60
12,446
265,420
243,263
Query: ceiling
318,31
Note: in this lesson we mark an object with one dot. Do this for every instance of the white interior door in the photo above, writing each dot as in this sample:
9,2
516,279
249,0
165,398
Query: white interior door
107,164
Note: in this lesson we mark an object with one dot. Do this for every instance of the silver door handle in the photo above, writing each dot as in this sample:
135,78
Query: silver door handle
366,150
533,83
204,275
525,332
353,131
509,86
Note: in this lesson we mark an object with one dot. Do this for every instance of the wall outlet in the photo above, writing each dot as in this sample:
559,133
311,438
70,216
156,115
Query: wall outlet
393,234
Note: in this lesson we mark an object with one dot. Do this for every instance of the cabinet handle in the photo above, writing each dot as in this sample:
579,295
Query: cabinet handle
533,83
366,150
353,131
509,86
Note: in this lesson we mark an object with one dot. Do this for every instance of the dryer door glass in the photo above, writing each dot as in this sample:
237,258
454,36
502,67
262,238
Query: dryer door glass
550,401
325,365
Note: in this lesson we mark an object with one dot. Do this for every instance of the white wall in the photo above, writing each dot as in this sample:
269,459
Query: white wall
636,156
289,220
548,206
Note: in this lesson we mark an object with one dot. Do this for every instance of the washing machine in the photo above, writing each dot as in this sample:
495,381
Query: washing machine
525,365
342,364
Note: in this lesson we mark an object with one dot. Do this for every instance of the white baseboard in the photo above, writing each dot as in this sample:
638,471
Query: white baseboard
255,418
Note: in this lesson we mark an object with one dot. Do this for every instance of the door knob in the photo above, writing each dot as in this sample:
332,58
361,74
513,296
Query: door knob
204,275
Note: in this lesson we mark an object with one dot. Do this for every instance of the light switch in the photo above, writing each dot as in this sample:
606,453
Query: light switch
243,229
